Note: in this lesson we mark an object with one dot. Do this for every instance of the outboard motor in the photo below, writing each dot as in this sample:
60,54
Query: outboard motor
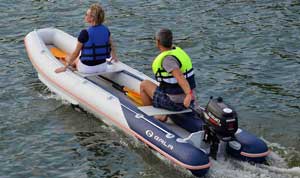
221,123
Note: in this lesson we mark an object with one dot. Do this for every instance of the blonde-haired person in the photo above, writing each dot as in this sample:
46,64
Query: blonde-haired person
94,43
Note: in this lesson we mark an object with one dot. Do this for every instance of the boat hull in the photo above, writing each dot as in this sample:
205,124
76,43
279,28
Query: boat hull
180,141
98,97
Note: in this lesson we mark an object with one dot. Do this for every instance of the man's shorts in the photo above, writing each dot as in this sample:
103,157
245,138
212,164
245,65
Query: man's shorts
162,100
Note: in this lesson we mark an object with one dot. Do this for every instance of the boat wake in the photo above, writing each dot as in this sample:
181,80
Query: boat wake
233,168
46,94
223,167
276,167
227,167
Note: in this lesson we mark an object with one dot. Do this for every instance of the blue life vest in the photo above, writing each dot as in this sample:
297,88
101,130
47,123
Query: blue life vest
97,49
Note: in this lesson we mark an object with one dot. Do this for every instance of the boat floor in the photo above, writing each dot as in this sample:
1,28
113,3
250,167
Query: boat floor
98,80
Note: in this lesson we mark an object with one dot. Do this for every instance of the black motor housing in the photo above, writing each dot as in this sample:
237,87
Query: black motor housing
221,119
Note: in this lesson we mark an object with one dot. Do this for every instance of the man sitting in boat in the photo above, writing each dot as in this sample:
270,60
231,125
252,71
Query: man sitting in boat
94,43
174,72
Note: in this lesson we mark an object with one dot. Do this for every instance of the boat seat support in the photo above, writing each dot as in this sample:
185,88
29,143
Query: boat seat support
152,111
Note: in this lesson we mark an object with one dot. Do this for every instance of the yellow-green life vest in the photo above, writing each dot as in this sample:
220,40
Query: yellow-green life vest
165,78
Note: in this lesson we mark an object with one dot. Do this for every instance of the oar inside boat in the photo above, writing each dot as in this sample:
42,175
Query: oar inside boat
133,95
136,97
59,54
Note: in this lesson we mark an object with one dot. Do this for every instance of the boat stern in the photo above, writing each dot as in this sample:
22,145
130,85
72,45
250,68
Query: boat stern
248,147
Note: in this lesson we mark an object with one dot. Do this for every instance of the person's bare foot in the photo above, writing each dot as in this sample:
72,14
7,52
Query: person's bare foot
161,118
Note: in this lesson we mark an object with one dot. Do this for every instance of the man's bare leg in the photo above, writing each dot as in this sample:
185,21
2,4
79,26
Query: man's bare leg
147,89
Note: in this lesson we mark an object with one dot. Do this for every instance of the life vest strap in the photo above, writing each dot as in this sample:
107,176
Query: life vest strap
97,46
92,55
92,62
173,80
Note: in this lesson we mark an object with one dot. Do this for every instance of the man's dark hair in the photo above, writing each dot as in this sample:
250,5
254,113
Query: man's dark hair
165,37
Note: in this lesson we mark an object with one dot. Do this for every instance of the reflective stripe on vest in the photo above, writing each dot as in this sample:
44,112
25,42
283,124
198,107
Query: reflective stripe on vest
97,48
172,80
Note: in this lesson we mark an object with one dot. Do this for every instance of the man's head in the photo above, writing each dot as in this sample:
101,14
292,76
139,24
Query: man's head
164,38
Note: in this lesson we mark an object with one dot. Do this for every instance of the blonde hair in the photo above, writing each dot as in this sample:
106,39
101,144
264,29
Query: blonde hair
97,13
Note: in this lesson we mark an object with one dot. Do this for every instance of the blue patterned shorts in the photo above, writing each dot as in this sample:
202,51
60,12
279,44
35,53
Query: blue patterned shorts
162,100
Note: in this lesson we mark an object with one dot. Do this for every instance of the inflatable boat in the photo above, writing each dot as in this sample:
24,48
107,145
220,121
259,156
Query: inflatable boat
189,139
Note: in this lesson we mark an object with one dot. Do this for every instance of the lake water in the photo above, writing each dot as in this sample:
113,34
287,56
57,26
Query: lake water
246,51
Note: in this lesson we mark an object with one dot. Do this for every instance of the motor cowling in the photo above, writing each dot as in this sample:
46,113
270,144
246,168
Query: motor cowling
221,119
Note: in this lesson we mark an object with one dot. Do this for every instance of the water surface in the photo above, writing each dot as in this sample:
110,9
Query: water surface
246,51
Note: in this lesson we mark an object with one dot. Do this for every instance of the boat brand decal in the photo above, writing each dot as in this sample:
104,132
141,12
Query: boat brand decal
149,133
163,142
214,120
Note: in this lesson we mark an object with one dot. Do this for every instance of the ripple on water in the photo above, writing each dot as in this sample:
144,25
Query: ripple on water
245,51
